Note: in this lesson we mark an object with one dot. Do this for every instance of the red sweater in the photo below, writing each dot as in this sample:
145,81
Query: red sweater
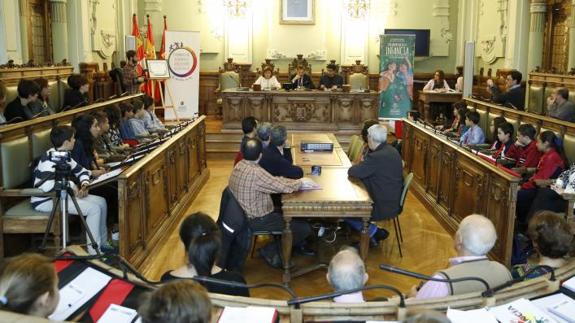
527,156
549,164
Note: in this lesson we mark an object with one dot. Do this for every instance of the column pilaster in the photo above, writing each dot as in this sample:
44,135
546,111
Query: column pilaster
59,30
538,9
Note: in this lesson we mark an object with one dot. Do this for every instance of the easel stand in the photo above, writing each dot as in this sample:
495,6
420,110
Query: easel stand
159,83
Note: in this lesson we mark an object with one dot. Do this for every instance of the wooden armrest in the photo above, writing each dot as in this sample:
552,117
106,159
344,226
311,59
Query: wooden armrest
568,196
26,192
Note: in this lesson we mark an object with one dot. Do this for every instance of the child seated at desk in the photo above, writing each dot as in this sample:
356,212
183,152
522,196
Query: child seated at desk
137,121
524,150
92,206
505,138
151,122
115,119
493,128
103,144
458,126
551,164
474,134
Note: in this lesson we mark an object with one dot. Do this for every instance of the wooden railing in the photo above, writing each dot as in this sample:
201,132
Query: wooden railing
11,76
453,183
154,193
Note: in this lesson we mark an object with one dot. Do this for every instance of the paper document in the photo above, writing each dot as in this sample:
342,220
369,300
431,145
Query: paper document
106,176
248,314
308,185
544,303
79,291
521,310
118,314
473,316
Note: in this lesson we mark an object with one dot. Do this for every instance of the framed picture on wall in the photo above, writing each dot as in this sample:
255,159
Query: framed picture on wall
297,12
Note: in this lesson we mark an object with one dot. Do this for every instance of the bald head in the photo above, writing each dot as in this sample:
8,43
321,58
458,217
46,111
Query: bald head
252,149
476,236
346,270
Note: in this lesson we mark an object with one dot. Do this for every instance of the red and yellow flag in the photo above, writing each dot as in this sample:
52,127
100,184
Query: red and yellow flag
163,47
150,52
139,44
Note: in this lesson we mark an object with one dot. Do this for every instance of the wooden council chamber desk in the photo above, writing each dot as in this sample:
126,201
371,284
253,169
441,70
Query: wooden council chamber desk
339,196
300,110
427,97
453,183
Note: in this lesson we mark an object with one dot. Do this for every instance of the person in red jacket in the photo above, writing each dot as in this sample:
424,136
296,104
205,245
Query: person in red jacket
524,150
551,164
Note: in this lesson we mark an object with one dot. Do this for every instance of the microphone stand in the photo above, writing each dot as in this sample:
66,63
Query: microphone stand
524,277
302,300
487,293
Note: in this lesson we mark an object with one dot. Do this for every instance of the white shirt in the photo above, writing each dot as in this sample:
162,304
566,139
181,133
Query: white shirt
354,298
268,84
431,84
459,84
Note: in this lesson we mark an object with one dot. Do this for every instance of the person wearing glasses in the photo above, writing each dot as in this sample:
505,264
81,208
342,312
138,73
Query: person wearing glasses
514,97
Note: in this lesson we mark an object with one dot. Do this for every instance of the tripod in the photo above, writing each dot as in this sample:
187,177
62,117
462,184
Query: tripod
63,191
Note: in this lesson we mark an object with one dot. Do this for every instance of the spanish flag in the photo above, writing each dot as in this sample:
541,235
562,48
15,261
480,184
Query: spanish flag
163,47
139,44
150,52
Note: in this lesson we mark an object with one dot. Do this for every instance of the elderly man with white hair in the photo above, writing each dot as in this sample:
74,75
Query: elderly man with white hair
475,237
382,175
347,271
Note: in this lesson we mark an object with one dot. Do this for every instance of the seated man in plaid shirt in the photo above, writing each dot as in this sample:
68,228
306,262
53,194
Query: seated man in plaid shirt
252,186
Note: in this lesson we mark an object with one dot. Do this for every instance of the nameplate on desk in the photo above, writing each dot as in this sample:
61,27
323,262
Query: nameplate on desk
310,147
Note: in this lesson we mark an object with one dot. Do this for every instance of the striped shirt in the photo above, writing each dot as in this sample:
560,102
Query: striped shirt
44,176
251,185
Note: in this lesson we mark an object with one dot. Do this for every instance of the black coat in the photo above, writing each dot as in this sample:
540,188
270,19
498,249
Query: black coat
514,98
15,109
280,165
382,175
236,234
74,99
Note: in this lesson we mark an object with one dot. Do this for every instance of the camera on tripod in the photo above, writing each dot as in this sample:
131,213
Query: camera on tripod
62,159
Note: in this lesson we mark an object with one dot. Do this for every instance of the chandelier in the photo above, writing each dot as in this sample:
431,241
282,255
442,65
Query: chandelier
356,8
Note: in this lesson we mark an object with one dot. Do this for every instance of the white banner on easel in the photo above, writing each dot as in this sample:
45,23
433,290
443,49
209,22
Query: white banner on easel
183,56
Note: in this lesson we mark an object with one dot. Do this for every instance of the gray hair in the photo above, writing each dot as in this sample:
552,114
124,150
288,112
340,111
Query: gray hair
264,131
278,135
346,270
377,133
477,234
427,317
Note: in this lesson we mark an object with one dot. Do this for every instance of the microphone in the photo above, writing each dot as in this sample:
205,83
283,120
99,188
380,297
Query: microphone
205,279
395,270
522,278
302,300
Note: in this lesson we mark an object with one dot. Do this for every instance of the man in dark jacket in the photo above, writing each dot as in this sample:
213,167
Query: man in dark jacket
382,175
515,95
276,157
27,93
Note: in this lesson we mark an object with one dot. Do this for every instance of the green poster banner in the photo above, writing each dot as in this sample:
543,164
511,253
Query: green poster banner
396,75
